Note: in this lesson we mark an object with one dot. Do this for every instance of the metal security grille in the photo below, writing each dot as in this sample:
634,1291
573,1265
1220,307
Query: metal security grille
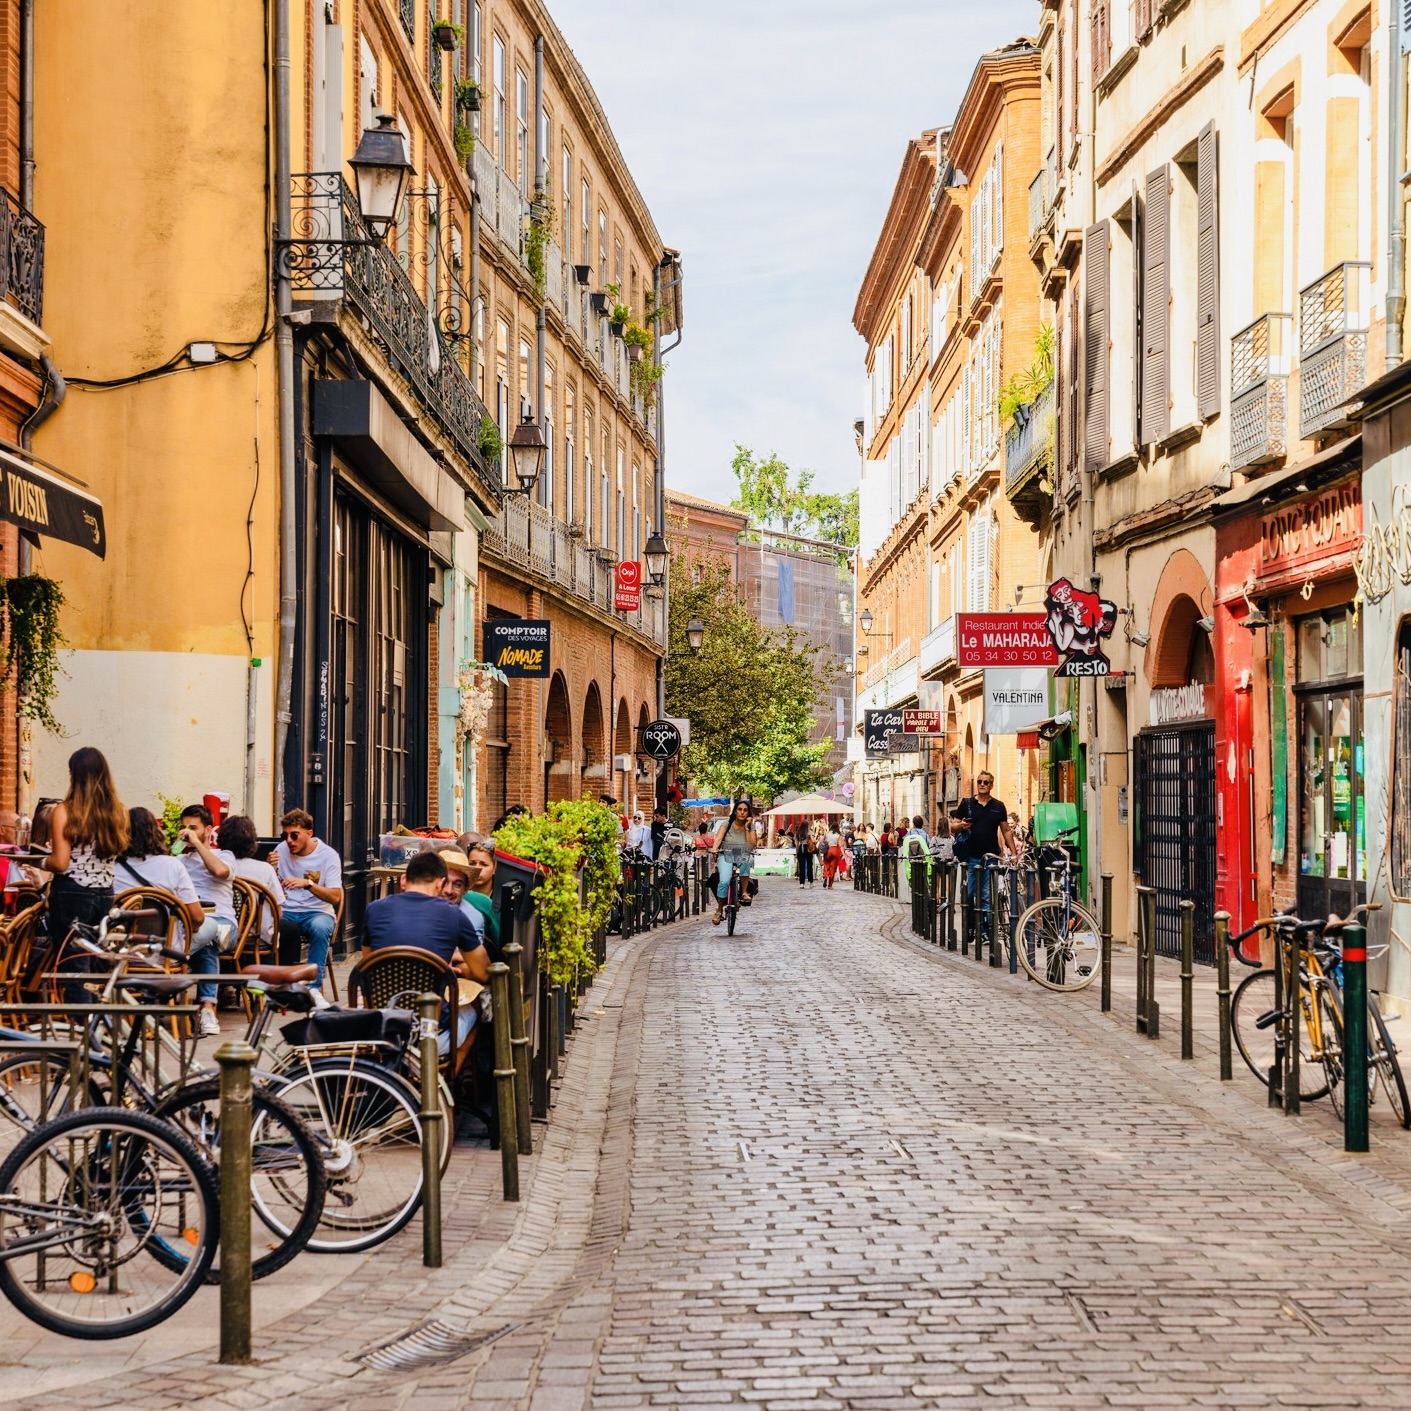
1176,838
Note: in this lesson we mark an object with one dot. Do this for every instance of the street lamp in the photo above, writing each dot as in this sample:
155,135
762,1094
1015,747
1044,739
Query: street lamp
381,173
656,555
865,621
695,633
527,451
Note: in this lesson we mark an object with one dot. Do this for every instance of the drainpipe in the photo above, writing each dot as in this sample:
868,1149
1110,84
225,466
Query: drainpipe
661,292
1396,210
539,177
284,350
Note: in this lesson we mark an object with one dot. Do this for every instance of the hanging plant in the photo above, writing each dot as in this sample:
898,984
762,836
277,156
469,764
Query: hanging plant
447,35
492,444
476,682
33,640
464,139
536,243
467,95
643,376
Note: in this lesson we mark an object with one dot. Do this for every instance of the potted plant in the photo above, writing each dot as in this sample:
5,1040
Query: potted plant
615,327
447,35
464,139
582,273
599,303
492,445
467,95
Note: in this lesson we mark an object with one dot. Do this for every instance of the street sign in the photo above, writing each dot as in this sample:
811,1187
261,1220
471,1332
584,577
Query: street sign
878,727
519,646
661,740
1003,639
921,722
627,586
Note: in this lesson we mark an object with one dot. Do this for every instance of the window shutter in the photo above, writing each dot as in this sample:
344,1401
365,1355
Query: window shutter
1142,17
1096,295
1060,367
982,561
1156,309
1207,261
1100,39
999,197
1075,371
1138,227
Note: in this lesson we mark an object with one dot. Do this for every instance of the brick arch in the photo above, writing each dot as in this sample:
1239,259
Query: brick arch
1181,595
561,781
595,770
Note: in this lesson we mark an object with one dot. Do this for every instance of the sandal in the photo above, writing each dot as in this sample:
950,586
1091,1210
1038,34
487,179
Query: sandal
717,918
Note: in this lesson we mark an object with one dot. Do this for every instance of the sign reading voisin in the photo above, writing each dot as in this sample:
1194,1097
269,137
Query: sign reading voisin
1015,699
878,727
1003,639
519,646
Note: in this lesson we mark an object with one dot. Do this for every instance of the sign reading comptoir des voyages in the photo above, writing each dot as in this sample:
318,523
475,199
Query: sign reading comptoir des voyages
519,646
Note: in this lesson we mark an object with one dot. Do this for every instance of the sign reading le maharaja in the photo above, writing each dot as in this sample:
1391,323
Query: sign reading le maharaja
519,646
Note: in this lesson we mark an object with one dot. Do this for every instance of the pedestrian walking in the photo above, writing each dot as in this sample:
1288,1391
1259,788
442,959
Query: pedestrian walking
803,853
832,855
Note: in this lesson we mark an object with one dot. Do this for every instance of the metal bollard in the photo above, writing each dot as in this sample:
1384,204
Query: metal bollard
1187,978
1354,1037
519,1044
236,1058
1153,1006
504,1079
1293,1046
1106,979
992,883
431,1119
1222,975
1011,883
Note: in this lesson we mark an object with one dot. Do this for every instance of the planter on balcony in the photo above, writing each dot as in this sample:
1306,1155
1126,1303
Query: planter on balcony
616,329
598,303
447,35
582,273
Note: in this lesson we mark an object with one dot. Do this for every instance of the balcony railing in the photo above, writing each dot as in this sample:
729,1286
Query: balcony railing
1332,338
1040,195
526,535
322,262
1027,443
937,647
1260,356
22,258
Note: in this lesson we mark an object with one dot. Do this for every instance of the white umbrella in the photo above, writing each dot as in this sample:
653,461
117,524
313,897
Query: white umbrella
809,804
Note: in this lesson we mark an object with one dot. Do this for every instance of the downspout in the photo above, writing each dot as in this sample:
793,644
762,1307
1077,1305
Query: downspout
660,292
284,349
1396,209
539,178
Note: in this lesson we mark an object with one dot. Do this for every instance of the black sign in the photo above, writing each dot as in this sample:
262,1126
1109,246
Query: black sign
1079,622
878,727
519,646
661,740
43,504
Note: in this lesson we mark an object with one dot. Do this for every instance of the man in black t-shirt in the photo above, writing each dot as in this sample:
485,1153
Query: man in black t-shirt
988,821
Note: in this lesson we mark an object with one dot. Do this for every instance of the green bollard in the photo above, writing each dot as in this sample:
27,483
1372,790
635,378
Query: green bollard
1222,974
236,1058
1354,1037
1187,978
431,1119
1106,980
504,1079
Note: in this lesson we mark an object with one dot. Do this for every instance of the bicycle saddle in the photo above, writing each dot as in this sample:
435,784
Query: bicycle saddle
164,985
282,974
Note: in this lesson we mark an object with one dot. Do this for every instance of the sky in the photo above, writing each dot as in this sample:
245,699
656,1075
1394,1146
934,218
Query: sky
766,137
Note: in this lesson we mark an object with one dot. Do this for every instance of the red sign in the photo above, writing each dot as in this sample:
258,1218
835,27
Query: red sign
1313,531
1026,740
627,586
1003,639
921,722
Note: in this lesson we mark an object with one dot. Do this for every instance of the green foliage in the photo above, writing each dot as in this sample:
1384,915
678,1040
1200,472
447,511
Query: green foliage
568,837
492,445
751,695
536,242
171,819
467,94
635,336
1025,387
33,639
464,139
835,517
778,498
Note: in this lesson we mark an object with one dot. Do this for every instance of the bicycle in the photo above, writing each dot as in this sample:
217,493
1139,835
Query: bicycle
1057,939
734,888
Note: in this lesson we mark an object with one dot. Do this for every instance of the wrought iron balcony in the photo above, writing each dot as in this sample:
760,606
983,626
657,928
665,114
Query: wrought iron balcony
22,258
1259,377
1332,340
1028,452
1040,199
332,256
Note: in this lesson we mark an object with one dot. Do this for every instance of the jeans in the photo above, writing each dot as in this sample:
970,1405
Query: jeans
977,868
805,860
726,868
315,927
203,954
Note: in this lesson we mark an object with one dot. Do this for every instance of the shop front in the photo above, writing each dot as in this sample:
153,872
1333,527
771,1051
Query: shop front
1290,711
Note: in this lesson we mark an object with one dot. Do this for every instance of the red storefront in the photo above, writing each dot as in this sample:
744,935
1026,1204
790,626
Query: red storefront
1289,756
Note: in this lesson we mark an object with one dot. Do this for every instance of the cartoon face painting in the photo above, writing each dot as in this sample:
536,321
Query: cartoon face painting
1078,622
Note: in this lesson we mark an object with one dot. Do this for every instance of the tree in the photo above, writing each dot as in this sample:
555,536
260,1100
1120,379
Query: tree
783,500
751,695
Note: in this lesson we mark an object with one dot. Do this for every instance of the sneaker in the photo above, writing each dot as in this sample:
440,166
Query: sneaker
208,1026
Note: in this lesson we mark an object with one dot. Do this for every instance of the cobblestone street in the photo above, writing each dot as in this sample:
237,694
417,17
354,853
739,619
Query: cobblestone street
821,1165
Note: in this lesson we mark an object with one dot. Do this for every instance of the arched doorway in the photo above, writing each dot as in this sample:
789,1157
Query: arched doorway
645,774
596,775
622,761
560,767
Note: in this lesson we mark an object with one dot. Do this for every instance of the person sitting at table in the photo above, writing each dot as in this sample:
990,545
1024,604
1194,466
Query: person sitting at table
474,883
312,877
212,874
240,837
147,863
418,916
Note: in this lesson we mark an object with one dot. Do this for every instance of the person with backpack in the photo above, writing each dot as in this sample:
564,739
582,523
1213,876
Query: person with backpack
804,853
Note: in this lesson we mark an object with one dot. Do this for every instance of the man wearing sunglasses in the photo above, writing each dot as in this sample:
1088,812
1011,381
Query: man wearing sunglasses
987,822
312,877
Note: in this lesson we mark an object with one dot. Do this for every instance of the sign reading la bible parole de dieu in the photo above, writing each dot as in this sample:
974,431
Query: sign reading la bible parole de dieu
519,646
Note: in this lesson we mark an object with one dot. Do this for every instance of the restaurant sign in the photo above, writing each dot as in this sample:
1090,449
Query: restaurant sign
519,646
1003,639
41,503
1319,527
878,727
1174,705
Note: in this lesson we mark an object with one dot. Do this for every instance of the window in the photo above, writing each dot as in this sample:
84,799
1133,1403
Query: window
605,525
480,345
546,415
498,135
502,378
621,506
433,241
523,385
566,186
636,516
521,131
977,558
570,437
603,280
617,267
433,51
906,333
585,249
476,39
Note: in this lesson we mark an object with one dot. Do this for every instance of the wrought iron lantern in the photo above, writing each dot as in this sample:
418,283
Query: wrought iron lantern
382,171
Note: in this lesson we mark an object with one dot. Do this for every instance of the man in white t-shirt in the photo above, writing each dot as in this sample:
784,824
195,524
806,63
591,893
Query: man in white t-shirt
212,874
311,874
147,863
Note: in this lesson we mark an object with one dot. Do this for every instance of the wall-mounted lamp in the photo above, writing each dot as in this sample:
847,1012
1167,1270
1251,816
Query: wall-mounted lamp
695,634
1206,624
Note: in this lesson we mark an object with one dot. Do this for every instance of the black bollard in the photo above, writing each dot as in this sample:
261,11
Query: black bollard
1354,1037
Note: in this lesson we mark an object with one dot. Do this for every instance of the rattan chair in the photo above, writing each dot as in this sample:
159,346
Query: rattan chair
253,902
16,944
379,978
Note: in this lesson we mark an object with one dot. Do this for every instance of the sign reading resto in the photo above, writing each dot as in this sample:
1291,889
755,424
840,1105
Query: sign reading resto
1003,639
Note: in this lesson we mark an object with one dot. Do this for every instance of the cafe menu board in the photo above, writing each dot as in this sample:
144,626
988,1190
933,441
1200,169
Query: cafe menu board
518,646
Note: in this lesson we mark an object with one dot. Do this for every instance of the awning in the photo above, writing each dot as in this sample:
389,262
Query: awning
44,501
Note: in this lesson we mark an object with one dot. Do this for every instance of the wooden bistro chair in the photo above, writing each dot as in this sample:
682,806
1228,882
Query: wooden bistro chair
16,945
253,903
169,925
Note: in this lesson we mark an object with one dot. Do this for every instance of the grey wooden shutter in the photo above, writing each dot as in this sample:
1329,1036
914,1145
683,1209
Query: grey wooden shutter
1156,308
1207,260
1101,38
1136,307
1060,393
1096,297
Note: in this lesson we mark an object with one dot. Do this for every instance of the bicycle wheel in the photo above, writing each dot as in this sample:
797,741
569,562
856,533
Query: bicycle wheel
34,1088
288,1181
1058,945
1330,1022
1388,1066
83,1201
368,1125
732,909
1254,1000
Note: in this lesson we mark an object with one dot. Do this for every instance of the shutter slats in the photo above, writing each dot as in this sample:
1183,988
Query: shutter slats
1075,431
1156,308
1096,296
1142,17
1207,303
1099,37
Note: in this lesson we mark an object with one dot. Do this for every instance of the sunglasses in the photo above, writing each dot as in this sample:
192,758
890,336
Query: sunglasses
294,836
990,782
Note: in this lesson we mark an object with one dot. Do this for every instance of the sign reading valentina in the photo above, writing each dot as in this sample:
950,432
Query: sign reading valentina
1078,623
1003,639
519,646
1016,699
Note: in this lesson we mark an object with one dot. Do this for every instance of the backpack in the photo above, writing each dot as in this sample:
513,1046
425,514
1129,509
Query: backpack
915,849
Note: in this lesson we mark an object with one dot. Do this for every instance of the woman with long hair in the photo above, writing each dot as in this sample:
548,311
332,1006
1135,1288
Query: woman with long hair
734,835
88,834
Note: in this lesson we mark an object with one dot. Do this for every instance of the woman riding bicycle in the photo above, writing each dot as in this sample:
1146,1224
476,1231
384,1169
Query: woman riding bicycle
735,839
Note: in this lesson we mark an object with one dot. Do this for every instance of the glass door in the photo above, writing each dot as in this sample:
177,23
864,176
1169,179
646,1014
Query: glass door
1332,815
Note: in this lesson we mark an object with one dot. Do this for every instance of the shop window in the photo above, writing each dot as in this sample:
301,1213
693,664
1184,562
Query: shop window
1399,814
1329,646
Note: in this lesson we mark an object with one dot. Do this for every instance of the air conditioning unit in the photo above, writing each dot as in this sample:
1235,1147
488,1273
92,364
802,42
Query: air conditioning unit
623,762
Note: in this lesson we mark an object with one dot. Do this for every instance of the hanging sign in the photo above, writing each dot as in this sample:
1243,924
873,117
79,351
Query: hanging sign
518,646
921,722
1015,699
1003,639
661,740
1078,623
627,586
877,730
